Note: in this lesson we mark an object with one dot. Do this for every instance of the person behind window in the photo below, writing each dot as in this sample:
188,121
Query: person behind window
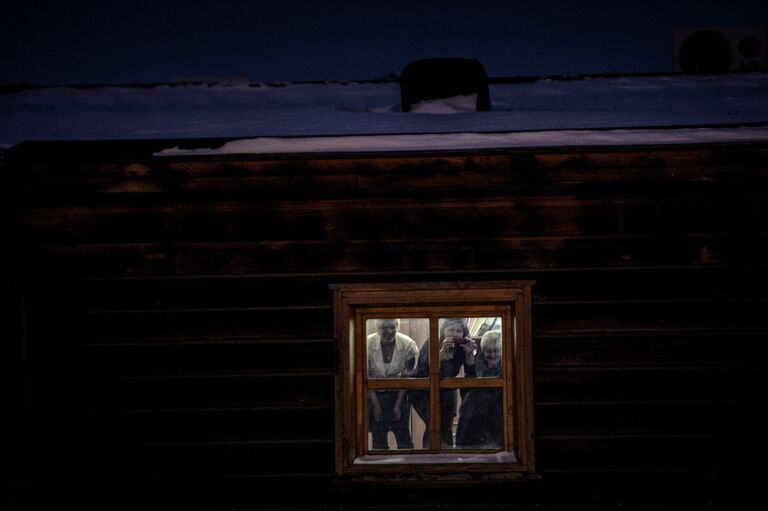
481,412
453,357
390,355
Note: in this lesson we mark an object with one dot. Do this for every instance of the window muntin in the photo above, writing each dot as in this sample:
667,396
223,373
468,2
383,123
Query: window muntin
491,429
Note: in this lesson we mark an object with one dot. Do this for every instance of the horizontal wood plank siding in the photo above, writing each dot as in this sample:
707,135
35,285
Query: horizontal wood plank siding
178,324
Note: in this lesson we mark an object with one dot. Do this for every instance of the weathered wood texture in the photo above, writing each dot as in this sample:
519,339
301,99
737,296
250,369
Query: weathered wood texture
177,325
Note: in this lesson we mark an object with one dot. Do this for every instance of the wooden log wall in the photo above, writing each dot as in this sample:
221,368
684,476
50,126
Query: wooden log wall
176,323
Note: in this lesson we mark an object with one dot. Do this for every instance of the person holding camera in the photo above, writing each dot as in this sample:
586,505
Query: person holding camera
457,351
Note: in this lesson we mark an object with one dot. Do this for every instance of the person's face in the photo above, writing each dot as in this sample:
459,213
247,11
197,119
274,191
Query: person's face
387,331
492,355
454,329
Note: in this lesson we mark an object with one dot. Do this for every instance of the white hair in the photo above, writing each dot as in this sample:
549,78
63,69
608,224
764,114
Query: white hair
380,322
489,339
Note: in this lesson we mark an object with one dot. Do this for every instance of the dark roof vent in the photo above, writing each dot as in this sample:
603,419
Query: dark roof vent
707,52
444,78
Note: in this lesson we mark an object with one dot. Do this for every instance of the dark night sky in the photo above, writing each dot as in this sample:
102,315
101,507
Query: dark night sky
149,41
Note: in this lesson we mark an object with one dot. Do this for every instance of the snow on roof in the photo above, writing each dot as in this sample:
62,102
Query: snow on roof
296,117
475,141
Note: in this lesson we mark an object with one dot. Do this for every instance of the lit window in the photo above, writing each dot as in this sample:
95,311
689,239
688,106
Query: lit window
434,378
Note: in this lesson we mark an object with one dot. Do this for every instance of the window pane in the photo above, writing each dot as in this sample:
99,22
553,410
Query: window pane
396,347
480,420
419,401
397,426
461,347
449,400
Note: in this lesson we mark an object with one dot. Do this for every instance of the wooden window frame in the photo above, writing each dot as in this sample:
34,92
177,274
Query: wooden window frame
354,303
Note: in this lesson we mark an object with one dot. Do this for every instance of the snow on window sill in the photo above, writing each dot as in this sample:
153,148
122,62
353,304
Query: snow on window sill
390,459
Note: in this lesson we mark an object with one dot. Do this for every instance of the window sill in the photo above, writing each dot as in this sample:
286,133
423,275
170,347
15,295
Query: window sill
443,459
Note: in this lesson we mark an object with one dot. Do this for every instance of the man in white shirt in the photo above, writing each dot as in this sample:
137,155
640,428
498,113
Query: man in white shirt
390,355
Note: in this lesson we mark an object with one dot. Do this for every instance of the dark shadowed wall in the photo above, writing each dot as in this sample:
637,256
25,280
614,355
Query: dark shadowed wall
176,324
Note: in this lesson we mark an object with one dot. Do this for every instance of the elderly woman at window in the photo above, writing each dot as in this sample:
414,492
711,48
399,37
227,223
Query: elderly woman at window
390,355
481,421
